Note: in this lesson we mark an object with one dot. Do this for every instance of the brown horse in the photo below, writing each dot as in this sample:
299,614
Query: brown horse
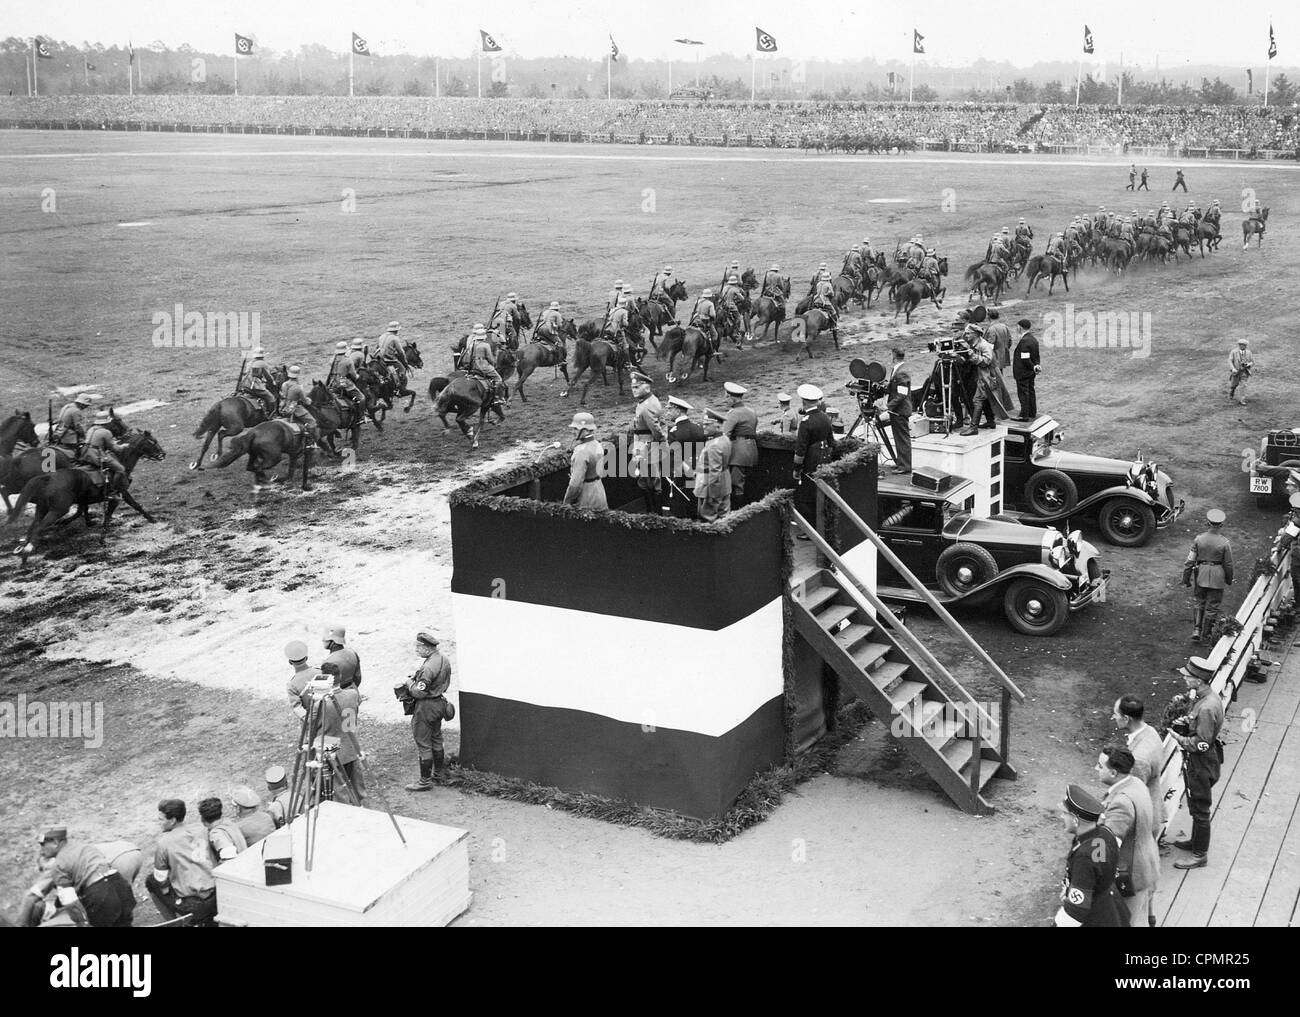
659,314
52,494
335,416
911,294
1046,266
466,396
1207,235
19,432
21,466
266,444
1254,227
987,280
809,325
692,346
542,354
597,355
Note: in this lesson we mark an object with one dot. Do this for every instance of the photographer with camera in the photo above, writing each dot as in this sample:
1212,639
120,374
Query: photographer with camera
1197,735
423,697
335,729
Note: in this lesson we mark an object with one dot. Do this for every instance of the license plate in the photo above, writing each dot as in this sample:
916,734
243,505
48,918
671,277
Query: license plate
1261,485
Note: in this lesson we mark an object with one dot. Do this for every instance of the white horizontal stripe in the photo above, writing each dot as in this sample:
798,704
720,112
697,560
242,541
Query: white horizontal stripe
639,672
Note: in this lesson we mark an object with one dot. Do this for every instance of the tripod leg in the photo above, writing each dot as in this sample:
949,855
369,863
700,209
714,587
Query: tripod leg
299,768
383,800
341,775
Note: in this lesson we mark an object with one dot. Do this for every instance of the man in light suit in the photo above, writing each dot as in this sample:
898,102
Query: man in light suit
712,475
1128,816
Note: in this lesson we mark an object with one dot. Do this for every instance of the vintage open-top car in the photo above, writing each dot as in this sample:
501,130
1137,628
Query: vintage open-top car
1278,461
1129,499
1041,575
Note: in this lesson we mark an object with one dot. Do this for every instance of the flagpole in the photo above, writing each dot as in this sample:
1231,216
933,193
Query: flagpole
479,56
351,63
609,76
753,74
670,77
236,70
85,65
911,74
1078,84
437,78
27,66
1267,59
36,83
1120,101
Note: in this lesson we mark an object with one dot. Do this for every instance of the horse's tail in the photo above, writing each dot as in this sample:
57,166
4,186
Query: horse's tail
798,329
211,420
970,272
240,445
436,385
31,491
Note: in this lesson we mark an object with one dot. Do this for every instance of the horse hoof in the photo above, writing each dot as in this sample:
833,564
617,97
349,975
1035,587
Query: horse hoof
195,466
213,457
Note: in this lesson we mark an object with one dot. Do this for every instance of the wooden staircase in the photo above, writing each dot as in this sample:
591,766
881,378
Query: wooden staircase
955,739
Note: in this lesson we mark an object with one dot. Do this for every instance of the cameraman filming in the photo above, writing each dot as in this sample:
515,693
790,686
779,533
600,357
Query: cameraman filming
336,725
898,404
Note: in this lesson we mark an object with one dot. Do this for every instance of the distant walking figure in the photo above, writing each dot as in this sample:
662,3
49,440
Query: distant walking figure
1143,185
1179,182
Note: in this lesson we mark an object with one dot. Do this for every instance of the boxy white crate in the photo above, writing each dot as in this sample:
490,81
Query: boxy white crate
977,458
361,876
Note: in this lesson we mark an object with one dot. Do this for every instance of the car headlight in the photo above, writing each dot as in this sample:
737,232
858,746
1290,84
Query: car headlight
1075,542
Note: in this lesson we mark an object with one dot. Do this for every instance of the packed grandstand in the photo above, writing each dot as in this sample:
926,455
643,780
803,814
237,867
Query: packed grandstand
952,126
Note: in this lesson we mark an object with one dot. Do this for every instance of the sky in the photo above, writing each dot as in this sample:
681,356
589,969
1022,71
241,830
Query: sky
956,34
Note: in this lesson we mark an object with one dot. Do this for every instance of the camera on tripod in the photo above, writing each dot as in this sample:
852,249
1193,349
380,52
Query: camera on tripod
949,348
868,384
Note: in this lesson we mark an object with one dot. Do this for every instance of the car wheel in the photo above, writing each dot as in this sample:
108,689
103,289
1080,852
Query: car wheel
1049,492
1035,608
1126,523
963,567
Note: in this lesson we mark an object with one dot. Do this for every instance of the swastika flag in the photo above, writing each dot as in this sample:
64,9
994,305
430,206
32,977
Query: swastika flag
243,45
359,46
764,43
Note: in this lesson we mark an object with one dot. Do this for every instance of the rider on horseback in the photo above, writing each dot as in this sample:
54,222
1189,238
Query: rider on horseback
504,321
101,450
343,379
703,317
258,382
930,270
616,327
69,431
824,297
481,362
616,294
391,354
733,293
294,403
997,253
1213,213
548,325
853,262
663,282
868,255
1024,232
357,354
774,284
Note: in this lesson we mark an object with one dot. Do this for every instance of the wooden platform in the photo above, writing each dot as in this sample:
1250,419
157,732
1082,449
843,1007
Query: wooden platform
1253,877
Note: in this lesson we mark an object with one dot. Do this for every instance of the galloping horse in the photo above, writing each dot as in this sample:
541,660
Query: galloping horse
334,416
595,354
231,415
466,396
769,312
987,280
266,444
689,343
809,325
53,494
542,354
1047,266
1207,235
512,323
22,464
17,431
1254,227
911,294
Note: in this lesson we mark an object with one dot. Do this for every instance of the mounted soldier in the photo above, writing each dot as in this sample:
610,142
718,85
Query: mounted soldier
480,362
616,294
616,328
343,378
704,317
822,270
1024,232
1213,213
358,355
997,253
1100,220
868,253
391,355
548,325
505,321
69,430
775,285
1056,247
294,405
824,297
102,449
258,381
853,263
664,282
930,270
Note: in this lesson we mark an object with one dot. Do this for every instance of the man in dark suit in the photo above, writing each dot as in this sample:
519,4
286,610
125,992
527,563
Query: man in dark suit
813,447
685,439
898,402
1025,368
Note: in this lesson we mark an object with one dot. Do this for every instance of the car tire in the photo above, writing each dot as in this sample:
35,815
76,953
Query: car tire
1049,492
1035,608
963,567
1126,523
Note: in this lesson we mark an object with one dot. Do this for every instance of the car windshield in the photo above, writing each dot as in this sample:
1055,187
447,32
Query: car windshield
1043,445
911,515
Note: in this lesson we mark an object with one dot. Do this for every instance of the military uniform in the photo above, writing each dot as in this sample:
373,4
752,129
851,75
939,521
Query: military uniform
813,447
349,664
740,425
1208,570
1088,894
68,428
255,825
277,786
713,479
482,362
648,449
1202,760
586,488
686,440
428,687
336,728
788,422
392,354
102,449
294,403
899,404
344,379
258,382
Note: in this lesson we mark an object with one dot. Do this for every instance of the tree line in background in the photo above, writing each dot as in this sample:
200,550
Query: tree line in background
318,70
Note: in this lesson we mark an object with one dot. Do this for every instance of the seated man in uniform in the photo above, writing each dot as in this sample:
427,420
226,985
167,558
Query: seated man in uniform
705,315
548,326
482,362
343,379
294,403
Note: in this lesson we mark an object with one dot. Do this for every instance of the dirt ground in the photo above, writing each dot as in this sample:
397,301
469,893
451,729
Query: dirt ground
178,627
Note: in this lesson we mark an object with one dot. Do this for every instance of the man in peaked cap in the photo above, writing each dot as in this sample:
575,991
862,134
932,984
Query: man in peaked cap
586,488
740,425
1208,570
647,442
813,445
84,869
296,653
253,822
712,477
685,443
788,422
428,687
1202,757
277,786
1088,895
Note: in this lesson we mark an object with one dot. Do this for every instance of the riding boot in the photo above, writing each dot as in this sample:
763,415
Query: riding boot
426,776
439,766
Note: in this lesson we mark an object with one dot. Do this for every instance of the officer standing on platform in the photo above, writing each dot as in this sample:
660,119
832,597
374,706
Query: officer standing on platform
712,477
296,653
685,440
647,442
1088,896
898,405
740,425
813,446
1202,757
586,489
788,422
1209,568
428,687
